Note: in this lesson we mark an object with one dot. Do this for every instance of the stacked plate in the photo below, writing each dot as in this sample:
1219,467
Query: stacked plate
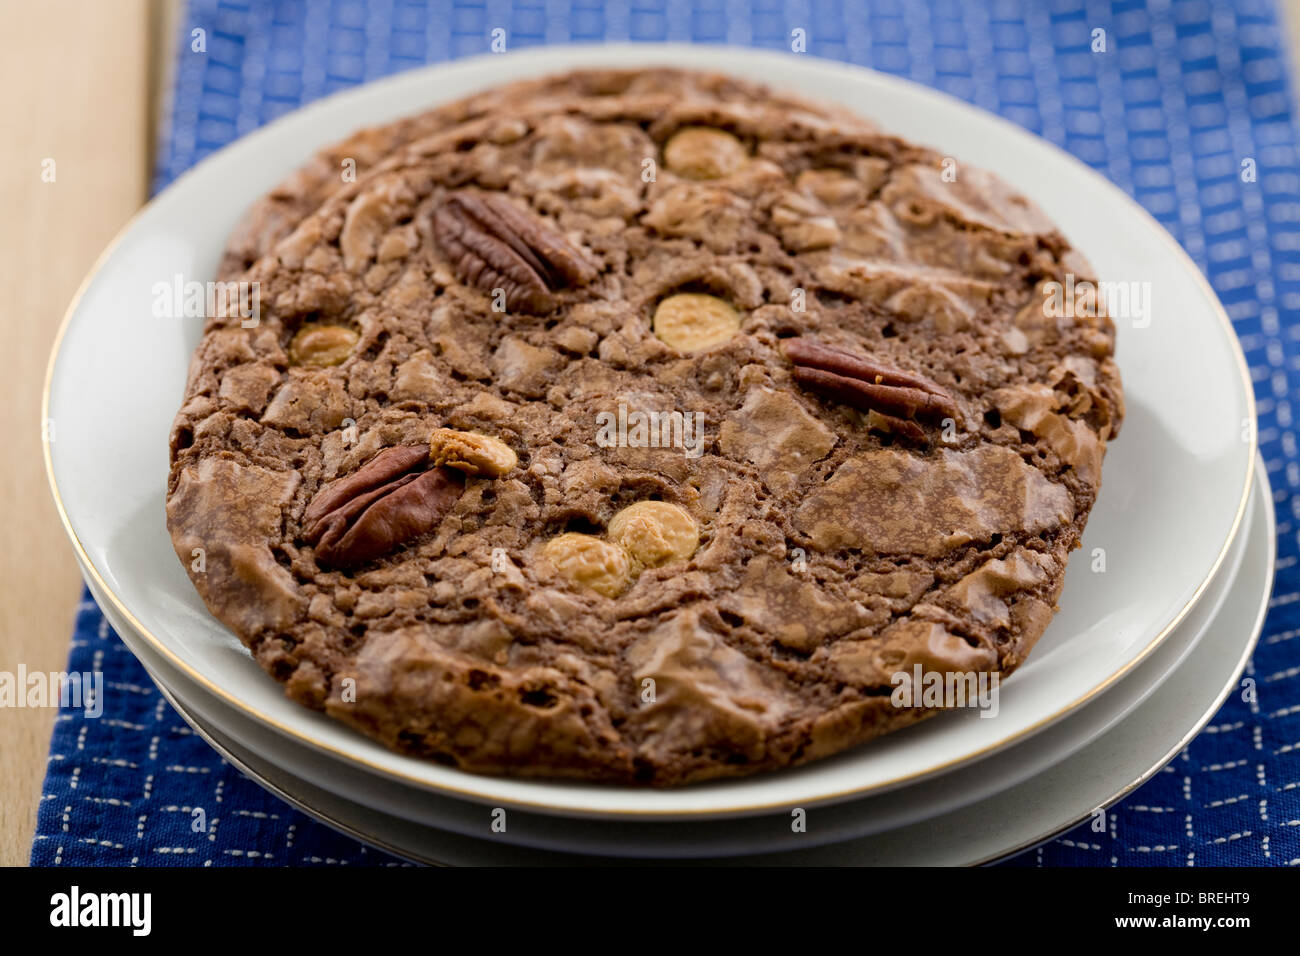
1160,611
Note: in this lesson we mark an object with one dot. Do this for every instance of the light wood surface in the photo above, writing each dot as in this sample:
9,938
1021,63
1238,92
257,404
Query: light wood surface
82,81
75,82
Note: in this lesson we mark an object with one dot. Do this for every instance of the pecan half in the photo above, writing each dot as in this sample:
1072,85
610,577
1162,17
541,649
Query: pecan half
387,501
865,384
493,244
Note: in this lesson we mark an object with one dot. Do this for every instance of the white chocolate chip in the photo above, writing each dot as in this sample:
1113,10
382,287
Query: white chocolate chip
692,322
655,533
590,562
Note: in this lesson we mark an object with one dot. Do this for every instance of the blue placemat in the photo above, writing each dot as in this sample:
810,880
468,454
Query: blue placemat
1179,98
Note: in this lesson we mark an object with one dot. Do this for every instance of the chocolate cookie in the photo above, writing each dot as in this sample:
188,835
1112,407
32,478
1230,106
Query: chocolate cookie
641,429
277,214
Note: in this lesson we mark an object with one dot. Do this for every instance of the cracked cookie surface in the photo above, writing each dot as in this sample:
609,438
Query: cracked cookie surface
738,407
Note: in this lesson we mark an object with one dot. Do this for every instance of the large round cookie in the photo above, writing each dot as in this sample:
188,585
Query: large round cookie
644,431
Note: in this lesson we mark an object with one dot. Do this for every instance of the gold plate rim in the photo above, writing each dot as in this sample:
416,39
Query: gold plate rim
1265,500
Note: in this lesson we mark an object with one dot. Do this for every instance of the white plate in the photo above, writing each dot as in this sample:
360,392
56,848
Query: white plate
1114,762
695,838
1175,484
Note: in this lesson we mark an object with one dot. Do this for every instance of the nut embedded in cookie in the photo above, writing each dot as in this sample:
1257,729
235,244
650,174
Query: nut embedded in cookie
493,244
868,385
385,503
701,152
320,345
470,452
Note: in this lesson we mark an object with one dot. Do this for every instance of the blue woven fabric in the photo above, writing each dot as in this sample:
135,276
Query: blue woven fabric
1184,92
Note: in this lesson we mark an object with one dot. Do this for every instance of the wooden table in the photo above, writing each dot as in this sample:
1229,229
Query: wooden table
81,83
77,77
